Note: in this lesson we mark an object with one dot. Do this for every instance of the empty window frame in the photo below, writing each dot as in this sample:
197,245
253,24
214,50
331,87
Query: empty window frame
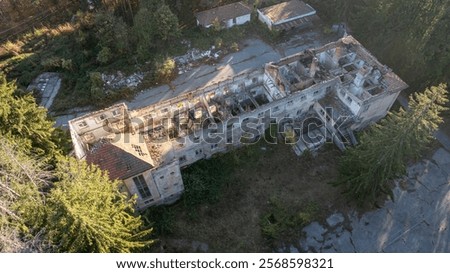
82,124
116,112
142,187
101,118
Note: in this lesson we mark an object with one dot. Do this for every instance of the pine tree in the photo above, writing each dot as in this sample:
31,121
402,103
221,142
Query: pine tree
25,122
21,200
384,150
155,26
88,213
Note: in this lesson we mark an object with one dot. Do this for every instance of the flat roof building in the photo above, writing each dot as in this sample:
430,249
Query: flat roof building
226,16
286,15
320,95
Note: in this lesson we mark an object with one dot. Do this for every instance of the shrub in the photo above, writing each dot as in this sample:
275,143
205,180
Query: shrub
281,221
161,218
234,46
165,70
218,43
104,56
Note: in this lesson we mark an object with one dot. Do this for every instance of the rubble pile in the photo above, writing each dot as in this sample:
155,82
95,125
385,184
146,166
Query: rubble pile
195,57
119,80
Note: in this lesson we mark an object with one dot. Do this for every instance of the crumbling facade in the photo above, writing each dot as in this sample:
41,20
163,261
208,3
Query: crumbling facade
320,95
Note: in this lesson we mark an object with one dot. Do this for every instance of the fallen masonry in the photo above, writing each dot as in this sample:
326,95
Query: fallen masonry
314,96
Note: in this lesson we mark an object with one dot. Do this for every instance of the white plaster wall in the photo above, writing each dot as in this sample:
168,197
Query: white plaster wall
243,19
168,180
78,145
229,23
156,196
377,108
264,19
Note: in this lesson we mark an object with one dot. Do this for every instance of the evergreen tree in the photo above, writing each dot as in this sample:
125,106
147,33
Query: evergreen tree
21,202
25,122
385,148
166,24
88,213
154,26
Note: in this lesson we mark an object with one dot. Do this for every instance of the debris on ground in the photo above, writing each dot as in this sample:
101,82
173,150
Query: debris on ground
118,80
195,57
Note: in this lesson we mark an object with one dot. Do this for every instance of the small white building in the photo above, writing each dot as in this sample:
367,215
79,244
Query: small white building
227,16
287,15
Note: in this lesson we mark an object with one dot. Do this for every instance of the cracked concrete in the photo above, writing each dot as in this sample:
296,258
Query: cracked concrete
416,221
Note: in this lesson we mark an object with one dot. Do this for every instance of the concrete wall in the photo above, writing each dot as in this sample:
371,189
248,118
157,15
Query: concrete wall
264,19
243,19
132,190
232,22
375,109
165,185
169,182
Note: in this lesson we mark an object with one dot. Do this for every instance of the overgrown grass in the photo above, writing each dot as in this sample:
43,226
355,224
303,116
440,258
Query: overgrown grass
281,222
161,218
204,182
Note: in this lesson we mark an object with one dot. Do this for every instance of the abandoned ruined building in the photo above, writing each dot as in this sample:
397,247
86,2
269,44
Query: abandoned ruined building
339,88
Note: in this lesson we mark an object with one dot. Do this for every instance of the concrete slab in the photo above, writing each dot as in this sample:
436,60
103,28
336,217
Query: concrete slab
335,219
344,243
315,231
441,157
48,85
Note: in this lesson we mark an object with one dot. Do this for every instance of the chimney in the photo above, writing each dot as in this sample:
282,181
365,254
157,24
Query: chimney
314,67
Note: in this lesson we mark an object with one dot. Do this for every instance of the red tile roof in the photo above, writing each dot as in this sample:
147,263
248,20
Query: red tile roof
119,163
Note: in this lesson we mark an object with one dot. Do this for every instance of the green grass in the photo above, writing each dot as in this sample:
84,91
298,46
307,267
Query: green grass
252,199
282,223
